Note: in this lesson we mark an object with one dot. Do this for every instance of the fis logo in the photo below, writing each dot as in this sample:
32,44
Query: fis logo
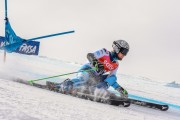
108,65
27,48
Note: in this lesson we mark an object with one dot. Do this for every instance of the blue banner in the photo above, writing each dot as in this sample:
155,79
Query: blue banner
12,40
28,48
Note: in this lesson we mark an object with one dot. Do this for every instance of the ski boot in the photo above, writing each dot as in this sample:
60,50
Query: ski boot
65,87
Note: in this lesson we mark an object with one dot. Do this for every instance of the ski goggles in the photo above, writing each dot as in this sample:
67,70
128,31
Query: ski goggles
124,51
120,49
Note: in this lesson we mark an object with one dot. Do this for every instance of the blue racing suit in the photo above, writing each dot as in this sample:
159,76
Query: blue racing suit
108,78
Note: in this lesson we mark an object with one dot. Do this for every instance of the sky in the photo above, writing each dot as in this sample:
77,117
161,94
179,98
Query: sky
151,27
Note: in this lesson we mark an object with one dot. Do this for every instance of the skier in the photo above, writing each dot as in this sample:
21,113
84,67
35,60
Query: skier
104,74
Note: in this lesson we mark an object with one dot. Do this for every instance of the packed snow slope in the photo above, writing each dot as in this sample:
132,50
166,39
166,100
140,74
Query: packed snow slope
23,102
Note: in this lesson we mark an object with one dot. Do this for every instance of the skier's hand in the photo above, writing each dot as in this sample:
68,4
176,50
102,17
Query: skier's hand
99,66
123,92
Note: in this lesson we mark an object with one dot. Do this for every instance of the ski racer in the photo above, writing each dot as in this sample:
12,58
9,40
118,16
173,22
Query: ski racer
104,75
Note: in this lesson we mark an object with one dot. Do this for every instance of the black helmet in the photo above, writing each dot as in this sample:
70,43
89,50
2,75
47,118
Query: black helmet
120,46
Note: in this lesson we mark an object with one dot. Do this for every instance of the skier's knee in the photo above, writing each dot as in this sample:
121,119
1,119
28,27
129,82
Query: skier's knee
83,76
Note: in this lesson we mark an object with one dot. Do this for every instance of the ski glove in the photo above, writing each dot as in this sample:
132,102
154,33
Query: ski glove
123,92
99,66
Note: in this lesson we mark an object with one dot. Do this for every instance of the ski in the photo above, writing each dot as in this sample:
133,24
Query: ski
116,101
110,101
162,107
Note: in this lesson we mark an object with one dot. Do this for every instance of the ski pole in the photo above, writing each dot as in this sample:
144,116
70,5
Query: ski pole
31,81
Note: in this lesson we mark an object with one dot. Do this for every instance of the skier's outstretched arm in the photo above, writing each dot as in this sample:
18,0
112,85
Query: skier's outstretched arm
112,81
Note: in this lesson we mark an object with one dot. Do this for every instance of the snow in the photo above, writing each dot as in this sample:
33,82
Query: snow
19,101
23,102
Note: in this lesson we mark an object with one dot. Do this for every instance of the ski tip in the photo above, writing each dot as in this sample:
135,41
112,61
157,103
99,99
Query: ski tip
164,107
